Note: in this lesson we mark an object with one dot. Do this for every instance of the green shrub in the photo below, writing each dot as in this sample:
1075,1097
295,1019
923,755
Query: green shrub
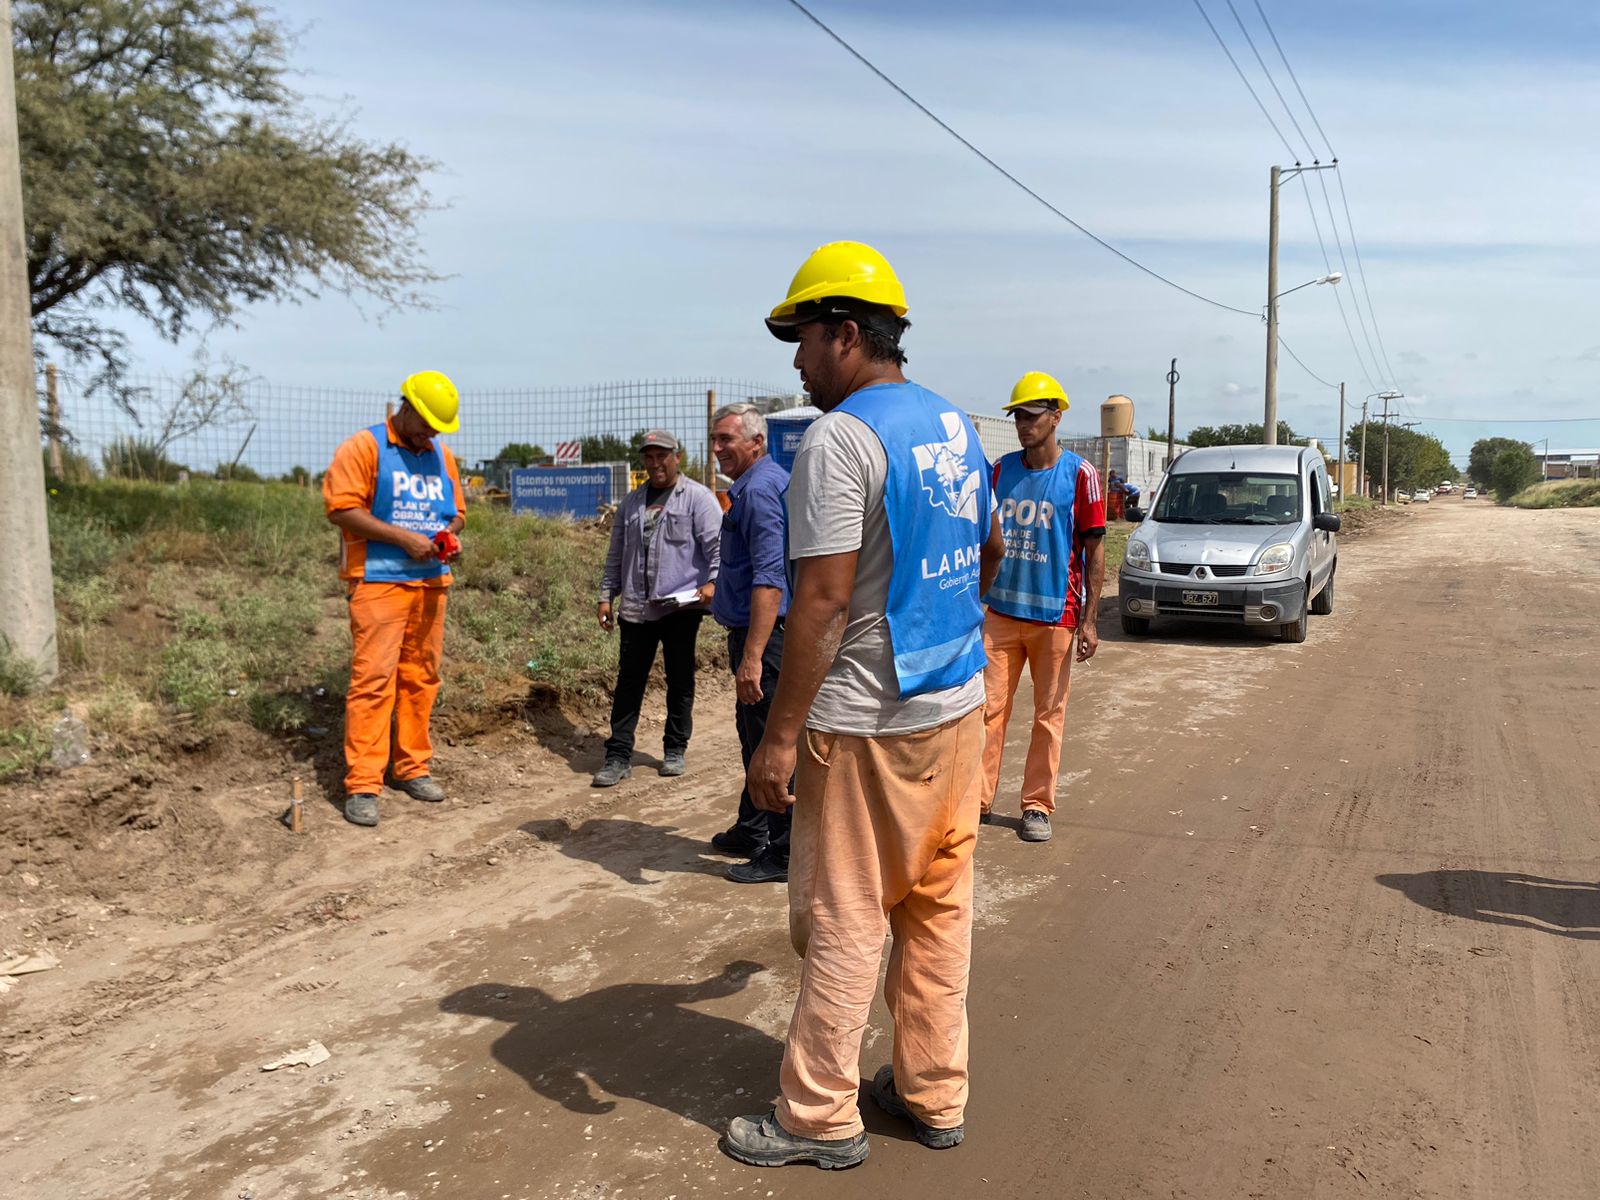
139,458
19,675
1512,470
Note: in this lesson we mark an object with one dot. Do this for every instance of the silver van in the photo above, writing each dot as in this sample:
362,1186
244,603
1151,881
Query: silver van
1237,534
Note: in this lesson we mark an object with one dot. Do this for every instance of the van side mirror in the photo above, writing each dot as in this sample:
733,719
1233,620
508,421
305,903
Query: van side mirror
1133,513
1328,522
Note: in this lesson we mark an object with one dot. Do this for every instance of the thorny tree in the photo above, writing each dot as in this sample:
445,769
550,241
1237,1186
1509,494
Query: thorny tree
169,171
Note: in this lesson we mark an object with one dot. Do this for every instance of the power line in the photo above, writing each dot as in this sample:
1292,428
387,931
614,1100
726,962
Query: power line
1350,225
1311,209
1513,420
1249,41
1343,262
1244,80
1309,110
929,113
1283,345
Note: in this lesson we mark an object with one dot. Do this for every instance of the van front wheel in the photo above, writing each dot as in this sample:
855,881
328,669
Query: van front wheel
1295,631
1322,602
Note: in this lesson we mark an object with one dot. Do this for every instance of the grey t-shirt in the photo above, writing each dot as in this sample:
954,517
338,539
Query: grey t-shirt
836,506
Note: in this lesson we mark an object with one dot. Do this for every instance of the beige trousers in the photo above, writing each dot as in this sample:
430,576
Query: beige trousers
883,835
1047,652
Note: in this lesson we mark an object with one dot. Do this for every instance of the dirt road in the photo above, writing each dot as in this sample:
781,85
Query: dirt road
1318,921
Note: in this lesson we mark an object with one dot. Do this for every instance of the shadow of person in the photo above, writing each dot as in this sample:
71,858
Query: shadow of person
1565,907
628,848
635,1041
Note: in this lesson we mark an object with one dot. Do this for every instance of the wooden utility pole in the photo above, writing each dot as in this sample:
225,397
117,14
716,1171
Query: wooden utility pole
711,459
1386,414
1361,461
1344,492
28,617
1172,408
52,414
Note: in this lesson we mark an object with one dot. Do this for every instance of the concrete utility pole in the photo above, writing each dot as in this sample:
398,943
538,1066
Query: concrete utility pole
1269,420
1344,493
28,616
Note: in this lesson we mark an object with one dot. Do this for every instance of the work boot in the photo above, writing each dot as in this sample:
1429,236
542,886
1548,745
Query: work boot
733,841
762,1142
765,867
1035,825
672,763
613,773
886,1098
986,818
423,787
361,809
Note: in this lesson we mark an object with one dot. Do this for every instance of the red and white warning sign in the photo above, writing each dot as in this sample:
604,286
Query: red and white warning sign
569,454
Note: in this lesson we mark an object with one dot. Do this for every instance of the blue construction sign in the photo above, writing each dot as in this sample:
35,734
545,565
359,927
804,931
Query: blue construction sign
560,491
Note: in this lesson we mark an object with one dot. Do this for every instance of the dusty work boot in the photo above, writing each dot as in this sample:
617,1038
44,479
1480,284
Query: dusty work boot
1035,825
361,809
423,787
986,818
762,1142
886,1098
613,773
672,763
732,841
764,867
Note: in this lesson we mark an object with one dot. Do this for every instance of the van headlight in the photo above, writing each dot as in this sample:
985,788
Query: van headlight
1137,556
1276,559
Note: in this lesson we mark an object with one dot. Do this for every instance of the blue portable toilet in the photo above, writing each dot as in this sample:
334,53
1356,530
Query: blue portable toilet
784,431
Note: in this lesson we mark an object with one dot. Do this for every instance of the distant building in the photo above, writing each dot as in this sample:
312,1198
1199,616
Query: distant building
1570,464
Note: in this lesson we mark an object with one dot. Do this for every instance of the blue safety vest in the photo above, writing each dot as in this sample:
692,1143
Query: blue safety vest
937,501
1036,509
414,492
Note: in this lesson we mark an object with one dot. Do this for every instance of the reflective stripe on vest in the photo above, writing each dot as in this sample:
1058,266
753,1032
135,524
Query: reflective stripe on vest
936,498
414,492
1036,509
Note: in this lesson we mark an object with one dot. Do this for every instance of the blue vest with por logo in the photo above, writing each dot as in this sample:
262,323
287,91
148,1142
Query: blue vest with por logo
937,501
1035,510
413,491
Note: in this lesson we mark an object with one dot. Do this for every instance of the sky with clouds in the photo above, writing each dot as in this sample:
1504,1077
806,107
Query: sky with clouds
631,185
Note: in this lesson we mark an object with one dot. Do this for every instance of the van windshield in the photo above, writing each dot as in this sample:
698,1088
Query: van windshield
1229,498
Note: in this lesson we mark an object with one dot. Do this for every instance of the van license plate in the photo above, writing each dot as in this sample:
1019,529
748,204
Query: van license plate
1200,598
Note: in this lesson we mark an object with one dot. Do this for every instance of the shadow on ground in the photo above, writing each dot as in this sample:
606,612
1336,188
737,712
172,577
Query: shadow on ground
629,848
1565,907
635,1041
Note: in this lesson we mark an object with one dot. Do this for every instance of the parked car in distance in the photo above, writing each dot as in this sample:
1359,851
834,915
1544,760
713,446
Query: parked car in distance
1470,494
1402,497
1242,535
1420,496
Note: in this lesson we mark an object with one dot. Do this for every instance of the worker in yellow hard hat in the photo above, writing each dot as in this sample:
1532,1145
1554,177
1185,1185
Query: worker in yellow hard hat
395,493
1042,604
879,722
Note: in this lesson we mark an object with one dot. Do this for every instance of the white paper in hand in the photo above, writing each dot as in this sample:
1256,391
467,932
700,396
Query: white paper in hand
692,596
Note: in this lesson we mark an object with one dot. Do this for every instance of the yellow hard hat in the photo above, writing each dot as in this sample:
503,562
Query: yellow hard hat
839,270
433,395
1037,388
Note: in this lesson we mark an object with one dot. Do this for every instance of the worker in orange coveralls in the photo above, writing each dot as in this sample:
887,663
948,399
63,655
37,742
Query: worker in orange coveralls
395,494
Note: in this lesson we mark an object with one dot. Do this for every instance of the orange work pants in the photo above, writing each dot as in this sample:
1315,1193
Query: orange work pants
1047,649
883,834
397,638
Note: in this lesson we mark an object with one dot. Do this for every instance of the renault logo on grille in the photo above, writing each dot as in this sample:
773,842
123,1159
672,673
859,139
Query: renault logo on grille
1201,573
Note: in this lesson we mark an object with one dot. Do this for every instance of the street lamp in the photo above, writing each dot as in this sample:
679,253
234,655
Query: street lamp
1269,425
1269,430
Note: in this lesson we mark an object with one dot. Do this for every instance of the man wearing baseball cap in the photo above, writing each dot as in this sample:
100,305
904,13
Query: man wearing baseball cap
1042,604
659,578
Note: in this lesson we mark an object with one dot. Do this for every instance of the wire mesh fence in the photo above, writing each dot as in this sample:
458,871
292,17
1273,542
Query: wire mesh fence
251,427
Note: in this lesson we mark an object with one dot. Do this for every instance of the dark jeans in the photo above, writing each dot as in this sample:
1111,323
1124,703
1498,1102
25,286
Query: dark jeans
759,826
675,634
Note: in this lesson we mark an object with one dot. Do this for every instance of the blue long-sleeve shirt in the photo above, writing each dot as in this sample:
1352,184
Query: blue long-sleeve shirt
753,543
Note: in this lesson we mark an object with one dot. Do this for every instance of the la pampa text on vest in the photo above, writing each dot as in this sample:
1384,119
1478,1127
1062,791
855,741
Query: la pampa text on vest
413,492
1036,510
937,500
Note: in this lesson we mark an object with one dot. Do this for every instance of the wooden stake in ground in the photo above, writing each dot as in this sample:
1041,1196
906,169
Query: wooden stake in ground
295,807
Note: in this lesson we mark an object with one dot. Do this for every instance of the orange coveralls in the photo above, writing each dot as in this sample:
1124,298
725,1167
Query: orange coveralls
396,634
